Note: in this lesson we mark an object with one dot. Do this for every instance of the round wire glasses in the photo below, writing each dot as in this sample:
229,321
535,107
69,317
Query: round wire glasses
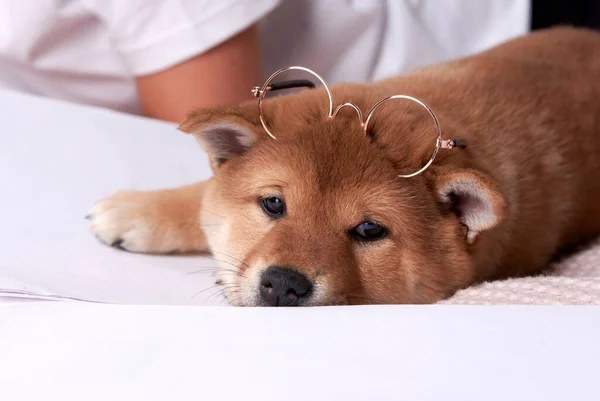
271,85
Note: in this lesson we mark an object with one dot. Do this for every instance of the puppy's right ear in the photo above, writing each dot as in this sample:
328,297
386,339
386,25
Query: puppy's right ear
223,132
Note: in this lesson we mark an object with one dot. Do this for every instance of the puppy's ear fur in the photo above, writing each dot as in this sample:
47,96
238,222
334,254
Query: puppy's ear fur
223,132
473,197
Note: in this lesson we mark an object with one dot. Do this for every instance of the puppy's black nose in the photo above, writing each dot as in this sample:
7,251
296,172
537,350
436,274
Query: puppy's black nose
282,286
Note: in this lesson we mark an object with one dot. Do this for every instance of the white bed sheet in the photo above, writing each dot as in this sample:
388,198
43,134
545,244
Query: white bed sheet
56,160
77,351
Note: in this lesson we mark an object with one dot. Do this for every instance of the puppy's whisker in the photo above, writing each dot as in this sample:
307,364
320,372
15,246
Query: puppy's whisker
232,287
230,293
236,272
213,293
232,257
214,272
208,268
218,292
234,292
204,290
202,271
230,272
225,261
236,301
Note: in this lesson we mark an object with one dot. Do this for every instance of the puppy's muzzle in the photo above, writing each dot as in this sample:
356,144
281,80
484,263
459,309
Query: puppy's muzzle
284,286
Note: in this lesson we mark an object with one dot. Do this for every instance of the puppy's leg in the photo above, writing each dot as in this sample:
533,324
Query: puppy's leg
165,221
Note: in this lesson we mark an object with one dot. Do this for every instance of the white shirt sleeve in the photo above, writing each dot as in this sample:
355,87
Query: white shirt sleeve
153,35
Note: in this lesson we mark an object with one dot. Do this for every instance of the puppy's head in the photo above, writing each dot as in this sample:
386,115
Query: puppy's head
319,216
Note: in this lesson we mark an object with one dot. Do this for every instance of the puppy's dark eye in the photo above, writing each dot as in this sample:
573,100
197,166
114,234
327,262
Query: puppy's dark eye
368,231
274,207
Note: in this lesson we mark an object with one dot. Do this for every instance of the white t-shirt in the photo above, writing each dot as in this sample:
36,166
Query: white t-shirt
89,51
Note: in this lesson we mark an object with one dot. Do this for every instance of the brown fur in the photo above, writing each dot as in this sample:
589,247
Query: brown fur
530,110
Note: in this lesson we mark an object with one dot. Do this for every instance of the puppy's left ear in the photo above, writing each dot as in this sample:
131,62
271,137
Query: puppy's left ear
223,132
474,197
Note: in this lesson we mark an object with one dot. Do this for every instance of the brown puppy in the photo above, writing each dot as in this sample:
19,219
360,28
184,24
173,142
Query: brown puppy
320,216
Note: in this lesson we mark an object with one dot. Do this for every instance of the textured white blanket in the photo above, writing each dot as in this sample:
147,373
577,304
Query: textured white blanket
572,281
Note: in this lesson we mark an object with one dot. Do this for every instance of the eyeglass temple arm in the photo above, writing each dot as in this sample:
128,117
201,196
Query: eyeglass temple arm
459,143
453,143
291,84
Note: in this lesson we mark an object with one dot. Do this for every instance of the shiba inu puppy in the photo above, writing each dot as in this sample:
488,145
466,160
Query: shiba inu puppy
320,216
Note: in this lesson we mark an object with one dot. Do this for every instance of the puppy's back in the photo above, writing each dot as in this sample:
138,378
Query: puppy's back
565,46
530,110
552,140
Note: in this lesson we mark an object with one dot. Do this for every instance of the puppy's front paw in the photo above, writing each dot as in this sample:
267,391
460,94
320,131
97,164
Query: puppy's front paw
131,221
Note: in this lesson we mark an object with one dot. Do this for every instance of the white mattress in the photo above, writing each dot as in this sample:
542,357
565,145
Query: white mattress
56,159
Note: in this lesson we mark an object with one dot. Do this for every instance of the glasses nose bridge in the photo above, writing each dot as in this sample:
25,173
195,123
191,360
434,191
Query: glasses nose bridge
355,108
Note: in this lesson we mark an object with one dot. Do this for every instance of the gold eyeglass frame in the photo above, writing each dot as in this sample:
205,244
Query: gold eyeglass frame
260,93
